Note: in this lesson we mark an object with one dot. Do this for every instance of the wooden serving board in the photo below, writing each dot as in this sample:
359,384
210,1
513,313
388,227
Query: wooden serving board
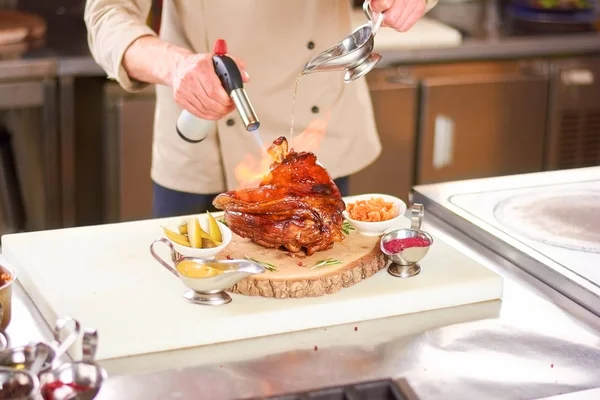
298,275
105,277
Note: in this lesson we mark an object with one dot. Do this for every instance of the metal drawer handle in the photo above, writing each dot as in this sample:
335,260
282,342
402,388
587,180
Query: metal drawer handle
579,77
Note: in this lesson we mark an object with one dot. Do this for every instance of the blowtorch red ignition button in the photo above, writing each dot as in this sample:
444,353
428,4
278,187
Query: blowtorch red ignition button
220,48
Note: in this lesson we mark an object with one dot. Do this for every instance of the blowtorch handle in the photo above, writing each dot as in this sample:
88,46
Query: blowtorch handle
193,129
228,72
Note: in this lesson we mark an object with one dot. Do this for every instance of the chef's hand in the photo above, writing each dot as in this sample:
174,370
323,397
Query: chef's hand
197,88
399,14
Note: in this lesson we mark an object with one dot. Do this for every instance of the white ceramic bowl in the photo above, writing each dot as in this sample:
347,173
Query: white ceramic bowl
375,228
200,253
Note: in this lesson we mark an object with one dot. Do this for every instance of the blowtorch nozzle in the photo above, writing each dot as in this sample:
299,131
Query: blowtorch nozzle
244,107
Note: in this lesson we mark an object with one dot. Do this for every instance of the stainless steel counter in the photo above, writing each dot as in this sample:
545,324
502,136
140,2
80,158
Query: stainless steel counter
35,68
484,27
534,343
496,49
485,210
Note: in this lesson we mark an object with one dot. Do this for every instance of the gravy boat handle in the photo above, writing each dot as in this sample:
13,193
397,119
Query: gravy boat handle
374,18
65,324
89,345
416,216
174,255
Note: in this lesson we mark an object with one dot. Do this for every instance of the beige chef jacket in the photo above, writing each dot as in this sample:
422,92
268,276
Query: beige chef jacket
275,38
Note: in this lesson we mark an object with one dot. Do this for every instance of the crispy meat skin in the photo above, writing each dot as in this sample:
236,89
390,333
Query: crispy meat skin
296,206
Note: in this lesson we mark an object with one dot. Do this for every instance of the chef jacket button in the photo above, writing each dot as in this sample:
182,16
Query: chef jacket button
230,122
311,45
315,109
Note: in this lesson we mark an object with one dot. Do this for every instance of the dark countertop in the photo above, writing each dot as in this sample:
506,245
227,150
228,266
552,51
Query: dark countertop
64,51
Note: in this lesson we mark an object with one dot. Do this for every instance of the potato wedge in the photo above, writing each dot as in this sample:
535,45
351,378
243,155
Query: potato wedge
213,229
194,233
208,244
183,229
205,235
176,237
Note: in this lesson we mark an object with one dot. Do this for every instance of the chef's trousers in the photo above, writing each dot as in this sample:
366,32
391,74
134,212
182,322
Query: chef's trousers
171,203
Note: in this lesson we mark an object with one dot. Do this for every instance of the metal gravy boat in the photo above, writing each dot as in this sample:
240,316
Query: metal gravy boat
77,380
208,289
405,263
18,385
354,54
23,384
23,357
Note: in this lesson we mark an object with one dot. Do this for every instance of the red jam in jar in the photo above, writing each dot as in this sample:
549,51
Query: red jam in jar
49,389
395,246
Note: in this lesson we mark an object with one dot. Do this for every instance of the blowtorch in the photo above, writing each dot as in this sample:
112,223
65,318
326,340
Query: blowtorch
193,129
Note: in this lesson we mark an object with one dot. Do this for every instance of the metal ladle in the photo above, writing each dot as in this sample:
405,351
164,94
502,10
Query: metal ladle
354,54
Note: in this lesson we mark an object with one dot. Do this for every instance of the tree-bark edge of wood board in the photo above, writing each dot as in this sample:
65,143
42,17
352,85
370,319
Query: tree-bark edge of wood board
360,258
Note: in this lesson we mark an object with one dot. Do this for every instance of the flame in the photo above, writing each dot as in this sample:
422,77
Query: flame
251,170
310,139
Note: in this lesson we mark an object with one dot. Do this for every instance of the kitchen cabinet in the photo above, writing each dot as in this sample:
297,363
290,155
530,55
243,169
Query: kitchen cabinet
128,130
480,119
574,114
29,163
395,99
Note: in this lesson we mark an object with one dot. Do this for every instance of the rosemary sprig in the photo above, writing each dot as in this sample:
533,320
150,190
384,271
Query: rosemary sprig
326,263
268,266
347,227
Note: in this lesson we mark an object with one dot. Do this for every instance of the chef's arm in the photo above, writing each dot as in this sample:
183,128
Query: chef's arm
113,26
126,48
152,60
132,54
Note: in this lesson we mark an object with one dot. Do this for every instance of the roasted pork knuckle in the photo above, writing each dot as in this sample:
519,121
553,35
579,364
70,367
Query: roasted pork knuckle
297,206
